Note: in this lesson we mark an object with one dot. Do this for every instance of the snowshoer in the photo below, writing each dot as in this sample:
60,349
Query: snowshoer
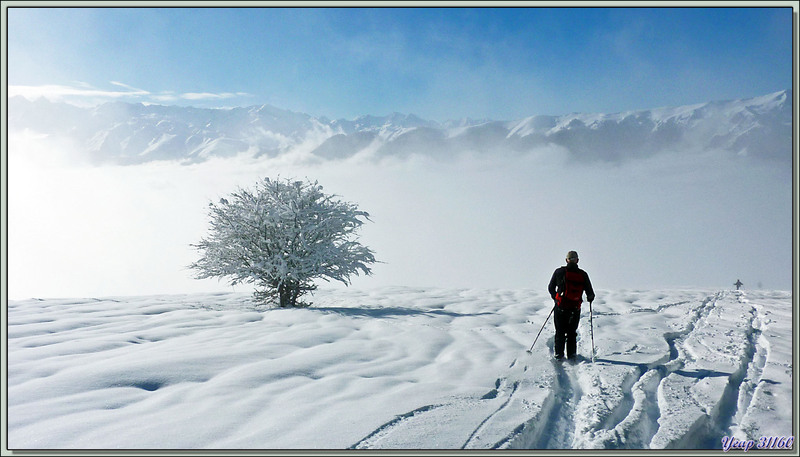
738,284
567,287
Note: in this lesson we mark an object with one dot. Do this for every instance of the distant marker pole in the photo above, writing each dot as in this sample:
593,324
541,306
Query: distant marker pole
540,330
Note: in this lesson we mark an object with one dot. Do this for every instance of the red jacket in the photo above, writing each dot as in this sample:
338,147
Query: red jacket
568,285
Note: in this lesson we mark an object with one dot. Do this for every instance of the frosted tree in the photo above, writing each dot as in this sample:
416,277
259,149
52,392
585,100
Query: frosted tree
281,236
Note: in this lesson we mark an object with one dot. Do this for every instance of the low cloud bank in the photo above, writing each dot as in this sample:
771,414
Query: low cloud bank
672,220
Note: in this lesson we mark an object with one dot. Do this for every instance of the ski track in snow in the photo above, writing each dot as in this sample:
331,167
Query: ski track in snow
635,420
694,366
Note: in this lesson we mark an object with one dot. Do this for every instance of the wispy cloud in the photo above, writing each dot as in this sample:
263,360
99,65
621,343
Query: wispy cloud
72,93
130,88
212,96
83,94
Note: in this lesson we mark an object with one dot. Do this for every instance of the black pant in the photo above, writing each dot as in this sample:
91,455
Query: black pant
566,320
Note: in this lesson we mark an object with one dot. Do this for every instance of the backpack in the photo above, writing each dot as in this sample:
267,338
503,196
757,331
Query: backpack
571,296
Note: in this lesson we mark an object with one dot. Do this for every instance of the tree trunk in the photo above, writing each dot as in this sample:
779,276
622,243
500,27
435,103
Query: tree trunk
283,296
288,294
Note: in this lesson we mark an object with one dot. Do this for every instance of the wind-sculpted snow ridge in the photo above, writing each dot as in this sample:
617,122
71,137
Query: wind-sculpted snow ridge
399,368
134,133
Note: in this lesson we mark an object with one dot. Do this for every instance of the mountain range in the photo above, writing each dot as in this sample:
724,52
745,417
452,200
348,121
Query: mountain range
125,133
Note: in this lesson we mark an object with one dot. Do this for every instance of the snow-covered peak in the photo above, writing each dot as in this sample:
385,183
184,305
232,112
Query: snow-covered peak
392,122
132,133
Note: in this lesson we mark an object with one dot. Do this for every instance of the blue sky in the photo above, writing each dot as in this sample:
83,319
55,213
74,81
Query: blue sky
437,63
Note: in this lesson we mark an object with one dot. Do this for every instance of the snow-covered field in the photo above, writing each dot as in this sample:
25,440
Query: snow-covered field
400,368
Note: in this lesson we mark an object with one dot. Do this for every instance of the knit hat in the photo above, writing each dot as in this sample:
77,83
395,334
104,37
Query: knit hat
572,255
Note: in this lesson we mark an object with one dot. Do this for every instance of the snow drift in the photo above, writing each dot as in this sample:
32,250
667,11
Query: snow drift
398,368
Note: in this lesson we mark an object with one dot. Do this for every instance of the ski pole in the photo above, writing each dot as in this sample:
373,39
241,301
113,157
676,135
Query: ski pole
591,329
540,330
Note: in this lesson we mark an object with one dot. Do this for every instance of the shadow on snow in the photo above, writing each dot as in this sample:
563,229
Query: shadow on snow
390,312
